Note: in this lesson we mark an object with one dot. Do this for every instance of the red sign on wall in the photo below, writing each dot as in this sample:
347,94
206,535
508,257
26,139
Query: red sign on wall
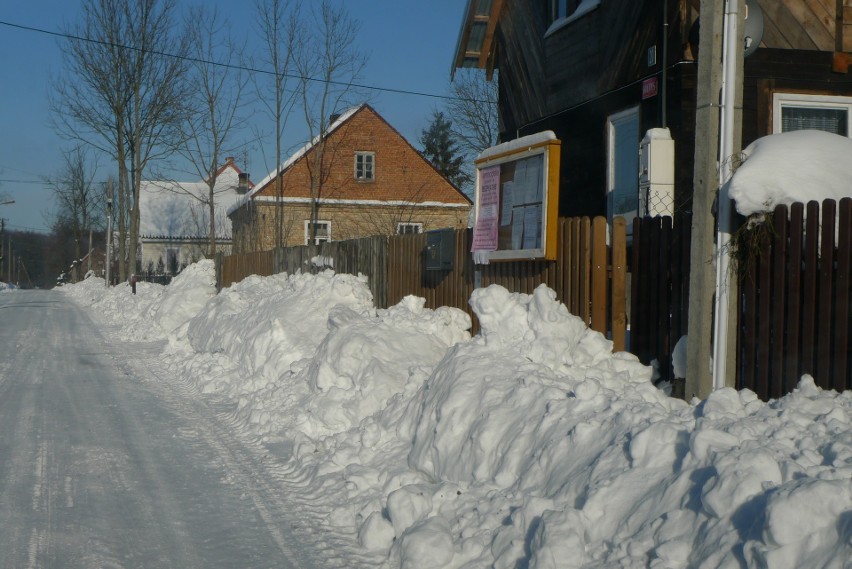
649,88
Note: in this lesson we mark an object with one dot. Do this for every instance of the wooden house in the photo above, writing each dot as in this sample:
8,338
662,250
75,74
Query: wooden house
601,73
364,179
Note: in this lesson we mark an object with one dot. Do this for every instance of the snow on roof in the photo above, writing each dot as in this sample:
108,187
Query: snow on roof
790,167
517,144
293,159
179,209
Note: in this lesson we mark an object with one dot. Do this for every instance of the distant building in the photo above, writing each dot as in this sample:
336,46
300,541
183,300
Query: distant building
373,182
174,224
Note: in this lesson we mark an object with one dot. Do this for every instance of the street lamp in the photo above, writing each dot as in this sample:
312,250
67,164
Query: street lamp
109,241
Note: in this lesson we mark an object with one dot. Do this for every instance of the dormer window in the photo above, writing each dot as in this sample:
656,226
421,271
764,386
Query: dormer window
365,166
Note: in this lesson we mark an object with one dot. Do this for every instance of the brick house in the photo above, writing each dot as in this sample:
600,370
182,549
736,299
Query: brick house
372,182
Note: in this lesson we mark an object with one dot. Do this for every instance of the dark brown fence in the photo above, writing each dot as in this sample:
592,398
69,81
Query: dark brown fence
659,297
795,299
234,268
589,276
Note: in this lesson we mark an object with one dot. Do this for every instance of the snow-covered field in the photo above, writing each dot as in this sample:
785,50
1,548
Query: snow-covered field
530,445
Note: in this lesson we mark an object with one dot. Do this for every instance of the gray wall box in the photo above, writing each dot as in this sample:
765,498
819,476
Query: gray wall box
440,248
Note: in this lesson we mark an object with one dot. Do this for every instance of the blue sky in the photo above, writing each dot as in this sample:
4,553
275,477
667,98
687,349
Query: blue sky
409,44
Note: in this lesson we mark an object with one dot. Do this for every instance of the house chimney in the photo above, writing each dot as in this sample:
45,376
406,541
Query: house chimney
229,160
243,184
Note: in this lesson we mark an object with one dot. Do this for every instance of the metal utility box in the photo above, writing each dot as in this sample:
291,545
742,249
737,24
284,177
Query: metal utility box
656,173
440,249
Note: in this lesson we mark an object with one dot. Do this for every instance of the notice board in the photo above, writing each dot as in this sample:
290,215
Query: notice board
517,200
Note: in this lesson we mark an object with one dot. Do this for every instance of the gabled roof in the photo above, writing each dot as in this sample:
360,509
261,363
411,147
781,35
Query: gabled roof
358,192
292,159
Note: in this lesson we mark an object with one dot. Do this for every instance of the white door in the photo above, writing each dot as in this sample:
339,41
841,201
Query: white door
623,165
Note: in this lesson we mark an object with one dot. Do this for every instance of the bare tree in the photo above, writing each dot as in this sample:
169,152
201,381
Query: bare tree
329,65
125,95
213,109
473,110
282,31
77,200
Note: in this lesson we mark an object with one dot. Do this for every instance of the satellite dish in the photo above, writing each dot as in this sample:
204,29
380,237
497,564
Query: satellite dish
753,32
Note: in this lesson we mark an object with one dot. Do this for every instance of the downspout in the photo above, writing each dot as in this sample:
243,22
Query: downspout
723,220
664,78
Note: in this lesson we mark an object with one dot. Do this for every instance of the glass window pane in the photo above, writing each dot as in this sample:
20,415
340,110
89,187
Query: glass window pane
815,118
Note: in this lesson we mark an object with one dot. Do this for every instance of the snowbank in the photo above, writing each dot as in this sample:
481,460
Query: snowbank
530,445
154,310
790,167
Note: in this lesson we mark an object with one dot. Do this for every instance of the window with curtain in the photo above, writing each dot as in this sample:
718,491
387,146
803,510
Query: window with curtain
793,111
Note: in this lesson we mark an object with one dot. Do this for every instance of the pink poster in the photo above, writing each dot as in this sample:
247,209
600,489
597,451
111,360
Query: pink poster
485,230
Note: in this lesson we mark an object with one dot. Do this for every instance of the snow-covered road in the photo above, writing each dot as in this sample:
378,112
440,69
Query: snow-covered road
104,464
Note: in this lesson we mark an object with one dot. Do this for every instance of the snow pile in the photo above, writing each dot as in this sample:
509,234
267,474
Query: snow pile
186,295
6,286
797,166
530,445
154,310
310,353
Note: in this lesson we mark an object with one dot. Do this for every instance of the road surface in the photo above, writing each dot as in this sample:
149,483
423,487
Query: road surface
103,464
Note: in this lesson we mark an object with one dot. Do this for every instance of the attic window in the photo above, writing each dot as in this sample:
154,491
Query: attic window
365,166
563,12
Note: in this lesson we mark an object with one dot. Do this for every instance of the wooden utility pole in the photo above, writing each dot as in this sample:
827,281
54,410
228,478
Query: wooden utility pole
702,276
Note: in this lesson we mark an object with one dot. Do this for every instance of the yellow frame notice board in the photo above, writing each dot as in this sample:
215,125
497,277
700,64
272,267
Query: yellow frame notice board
517,200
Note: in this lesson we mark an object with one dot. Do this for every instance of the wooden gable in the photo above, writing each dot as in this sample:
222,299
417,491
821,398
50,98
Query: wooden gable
805,24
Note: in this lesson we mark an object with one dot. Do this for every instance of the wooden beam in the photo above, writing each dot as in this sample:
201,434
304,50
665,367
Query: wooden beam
461,49
488,41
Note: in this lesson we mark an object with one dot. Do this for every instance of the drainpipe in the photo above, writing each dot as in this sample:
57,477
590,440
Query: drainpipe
730,63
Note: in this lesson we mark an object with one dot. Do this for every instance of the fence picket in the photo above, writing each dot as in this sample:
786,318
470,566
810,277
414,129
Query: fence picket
841,299
792,351
826,262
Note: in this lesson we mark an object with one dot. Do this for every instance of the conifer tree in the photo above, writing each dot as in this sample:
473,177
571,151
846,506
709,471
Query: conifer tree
441,148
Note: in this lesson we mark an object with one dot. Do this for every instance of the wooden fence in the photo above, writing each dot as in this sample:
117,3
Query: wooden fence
589,275
659,296
795,299
795,286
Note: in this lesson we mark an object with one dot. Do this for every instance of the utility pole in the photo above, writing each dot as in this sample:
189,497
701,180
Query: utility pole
703,281
705,182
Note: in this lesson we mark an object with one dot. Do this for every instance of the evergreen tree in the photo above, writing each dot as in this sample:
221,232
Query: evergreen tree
441,148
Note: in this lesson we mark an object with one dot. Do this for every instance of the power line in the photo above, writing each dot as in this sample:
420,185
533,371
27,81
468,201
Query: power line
238,67
25,182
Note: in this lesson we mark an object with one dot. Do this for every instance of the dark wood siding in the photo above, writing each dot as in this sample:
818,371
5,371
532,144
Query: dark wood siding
783,70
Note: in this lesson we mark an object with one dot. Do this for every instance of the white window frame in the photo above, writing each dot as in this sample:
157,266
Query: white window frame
612,122
368,158
320,239
418,227
807,100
